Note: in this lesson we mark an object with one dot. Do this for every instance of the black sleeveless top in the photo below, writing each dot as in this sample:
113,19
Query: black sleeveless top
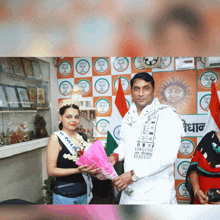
65,163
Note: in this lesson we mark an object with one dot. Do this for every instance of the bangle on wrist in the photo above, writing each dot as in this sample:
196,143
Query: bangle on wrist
116,156
196,191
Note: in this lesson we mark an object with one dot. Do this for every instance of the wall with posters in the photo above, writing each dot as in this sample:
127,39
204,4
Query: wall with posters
188,91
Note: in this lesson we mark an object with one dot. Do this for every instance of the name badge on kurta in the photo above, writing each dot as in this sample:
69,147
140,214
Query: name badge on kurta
145,143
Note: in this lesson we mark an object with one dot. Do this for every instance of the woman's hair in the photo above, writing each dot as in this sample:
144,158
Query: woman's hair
144,76
62,111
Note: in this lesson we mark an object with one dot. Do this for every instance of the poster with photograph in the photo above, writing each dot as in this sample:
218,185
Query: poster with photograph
28,69
32,96
41,99
3,100
5,65
23,97
18,66
37,70
12,97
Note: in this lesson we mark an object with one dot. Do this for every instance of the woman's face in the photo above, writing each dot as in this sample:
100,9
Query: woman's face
70,119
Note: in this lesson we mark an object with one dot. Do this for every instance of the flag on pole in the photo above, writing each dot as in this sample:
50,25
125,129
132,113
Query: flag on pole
119,110
213,117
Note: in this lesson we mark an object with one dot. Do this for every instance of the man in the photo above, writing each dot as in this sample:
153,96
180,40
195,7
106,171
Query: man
150,139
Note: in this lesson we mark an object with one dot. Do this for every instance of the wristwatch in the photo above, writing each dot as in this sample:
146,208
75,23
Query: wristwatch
133,176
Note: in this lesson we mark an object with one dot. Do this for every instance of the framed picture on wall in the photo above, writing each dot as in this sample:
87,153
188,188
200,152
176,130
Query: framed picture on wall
18,66
28,69
41,96
37,70
41,99
12,97
6,65
32,96
23,97
3,100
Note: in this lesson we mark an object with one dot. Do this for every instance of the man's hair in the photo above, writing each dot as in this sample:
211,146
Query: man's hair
145,76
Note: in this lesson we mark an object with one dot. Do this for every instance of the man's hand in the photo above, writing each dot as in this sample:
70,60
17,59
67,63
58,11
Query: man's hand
203,199
121,182
112,160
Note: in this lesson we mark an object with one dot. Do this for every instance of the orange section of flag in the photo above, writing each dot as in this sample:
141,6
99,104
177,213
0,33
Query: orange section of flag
120,101
214,105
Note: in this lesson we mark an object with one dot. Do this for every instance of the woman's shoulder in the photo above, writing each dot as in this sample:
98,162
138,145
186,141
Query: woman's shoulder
53,137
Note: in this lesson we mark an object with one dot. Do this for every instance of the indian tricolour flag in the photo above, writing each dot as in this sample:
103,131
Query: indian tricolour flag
213,117
119,110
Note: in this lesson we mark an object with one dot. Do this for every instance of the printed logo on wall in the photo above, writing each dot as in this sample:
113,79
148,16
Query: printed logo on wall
116,132
102,126
128,103
182,191
137,63
101,65
65,87
124,82
205,79
65,68
186,148
121,64
165,62
182,168
175,92
82,66
85,86
103,106
204,102
102,85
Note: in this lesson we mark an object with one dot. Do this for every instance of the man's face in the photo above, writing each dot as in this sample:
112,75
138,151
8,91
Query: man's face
142,93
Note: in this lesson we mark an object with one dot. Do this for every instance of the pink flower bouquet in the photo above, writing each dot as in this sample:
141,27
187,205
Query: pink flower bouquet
96,155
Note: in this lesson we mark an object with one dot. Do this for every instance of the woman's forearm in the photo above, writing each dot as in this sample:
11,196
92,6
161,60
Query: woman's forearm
194,179
59,172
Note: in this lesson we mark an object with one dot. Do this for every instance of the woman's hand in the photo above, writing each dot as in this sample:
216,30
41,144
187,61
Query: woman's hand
203,199
86,169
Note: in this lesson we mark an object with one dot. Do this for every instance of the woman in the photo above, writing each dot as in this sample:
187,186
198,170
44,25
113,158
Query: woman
204,171
73,184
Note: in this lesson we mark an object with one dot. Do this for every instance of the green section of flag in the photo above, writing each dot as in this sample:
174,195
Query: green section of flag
111,144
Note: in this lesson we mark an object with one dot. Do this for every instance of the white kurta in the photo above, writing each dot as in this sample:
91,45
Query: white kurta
152,157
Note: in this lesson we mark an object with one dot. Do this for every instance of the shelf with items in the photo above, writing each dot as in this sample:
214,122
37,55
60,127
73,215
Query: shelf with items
87,122
25,98
88,113
11,150
18,78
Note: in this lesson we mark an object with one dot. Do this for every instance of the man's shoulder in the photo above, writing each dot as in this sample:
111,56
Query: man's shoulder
167,109
169,113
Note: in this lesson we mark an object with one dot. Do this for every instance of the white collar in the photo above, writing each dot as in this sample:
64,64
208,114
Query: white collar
152,107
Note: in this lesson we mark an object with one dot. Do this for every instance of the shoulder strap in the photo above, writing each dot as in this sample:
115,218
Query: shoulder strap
67,142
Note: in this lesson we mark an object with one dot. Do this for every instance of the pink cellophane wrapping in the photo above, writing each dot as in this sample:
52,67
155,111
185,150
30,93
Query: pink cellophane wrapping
97,155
